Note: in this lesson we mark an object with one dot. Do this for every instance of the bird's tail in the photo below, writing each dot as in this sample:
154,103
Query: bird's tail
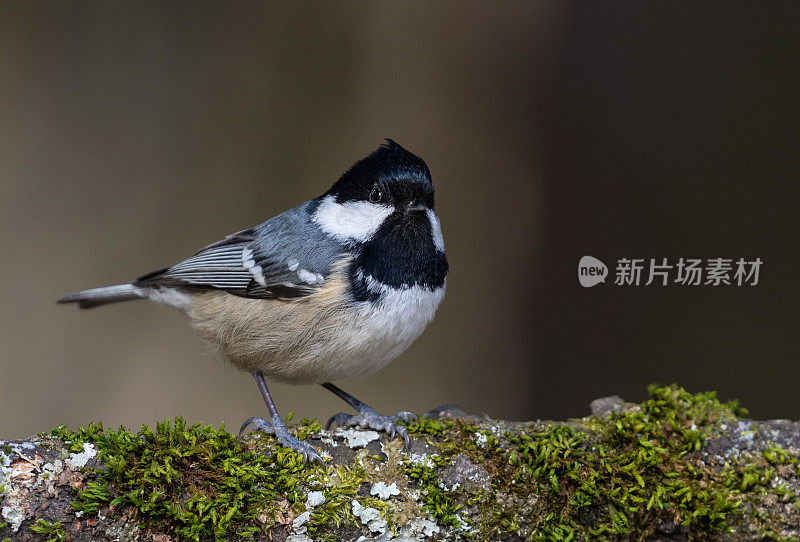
87,299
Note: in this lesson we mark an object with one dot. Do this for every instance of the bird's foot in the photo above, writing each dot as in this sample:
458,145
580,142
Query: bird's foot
285,438
368,418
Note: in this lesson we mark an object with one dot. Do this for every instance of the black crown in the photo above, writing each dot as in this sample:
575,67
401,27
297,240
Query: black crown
388,163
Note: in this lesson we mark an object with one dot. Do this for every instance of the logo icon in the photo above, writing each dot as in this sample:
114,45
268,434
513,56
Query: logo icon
591,271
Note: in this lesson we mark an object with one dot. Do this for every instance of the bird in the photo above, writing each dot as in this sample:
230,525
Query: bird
332,289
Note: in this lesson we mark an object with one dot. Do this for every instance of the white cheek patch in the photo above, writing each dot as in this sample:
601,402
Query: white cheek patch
352,220
436,230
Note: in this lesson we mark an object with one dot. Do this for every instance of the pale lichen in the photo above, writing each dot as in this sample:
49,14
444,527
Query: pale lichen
383,491
79,460
357,438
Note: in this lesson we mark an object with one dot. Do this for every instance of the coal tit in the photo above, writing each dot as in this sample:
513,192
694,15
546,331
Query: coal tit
334,288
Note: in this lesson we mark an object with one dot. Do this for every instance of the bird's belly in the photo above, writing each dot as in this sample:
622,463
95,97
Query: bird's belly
378,332
313,340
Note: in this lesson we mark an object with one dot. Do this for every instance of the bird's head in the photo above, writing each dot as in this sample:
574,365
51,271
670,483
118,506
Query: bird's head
389,194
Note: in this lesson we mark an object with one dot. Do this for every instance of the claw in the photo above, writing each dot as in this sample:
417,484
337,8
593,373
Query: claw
303,448
285,439
368,418
341,419
406,416
259,424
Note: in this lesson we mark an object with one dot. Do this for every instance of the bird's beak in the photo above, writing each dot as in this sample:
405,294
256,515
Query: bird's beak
416,207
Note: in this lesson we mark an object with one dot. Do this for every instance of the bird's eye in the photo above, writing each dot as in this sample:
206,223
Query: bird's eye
375,195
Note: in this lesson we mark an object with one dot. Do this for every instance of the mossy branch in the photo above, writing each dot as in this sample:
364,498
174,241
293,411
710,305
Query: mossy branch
677,466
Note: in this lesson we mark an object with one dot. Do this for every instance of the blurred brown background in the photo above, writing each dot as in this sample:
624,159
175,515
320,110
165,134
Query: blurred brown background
134,133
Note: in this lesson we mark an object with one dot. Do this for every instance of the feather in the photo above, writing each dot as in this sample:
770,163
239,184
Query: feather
87,299
287,256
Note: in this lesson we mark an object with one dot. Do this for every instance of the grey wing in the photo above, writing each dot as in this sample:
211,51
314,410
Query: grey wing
285,257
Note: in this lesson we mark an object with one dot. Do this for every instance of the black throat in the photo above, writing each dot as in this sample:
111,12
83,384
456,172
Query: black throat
401,254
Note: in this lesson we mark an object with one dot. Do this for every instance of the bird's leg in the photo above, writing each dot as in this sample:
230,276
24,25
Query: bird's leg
277,427
367,417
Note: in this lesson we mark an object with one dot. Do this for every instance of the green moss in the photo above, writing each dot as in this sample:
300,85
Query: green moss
451,438
308,427
598,478
615,476
443,505
199,482
753,478
595,478
429,426
52,531
336,511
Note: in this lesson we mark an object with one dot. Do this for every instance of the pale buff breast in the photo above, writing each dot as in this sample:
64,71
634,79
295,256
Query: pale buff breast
314,339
